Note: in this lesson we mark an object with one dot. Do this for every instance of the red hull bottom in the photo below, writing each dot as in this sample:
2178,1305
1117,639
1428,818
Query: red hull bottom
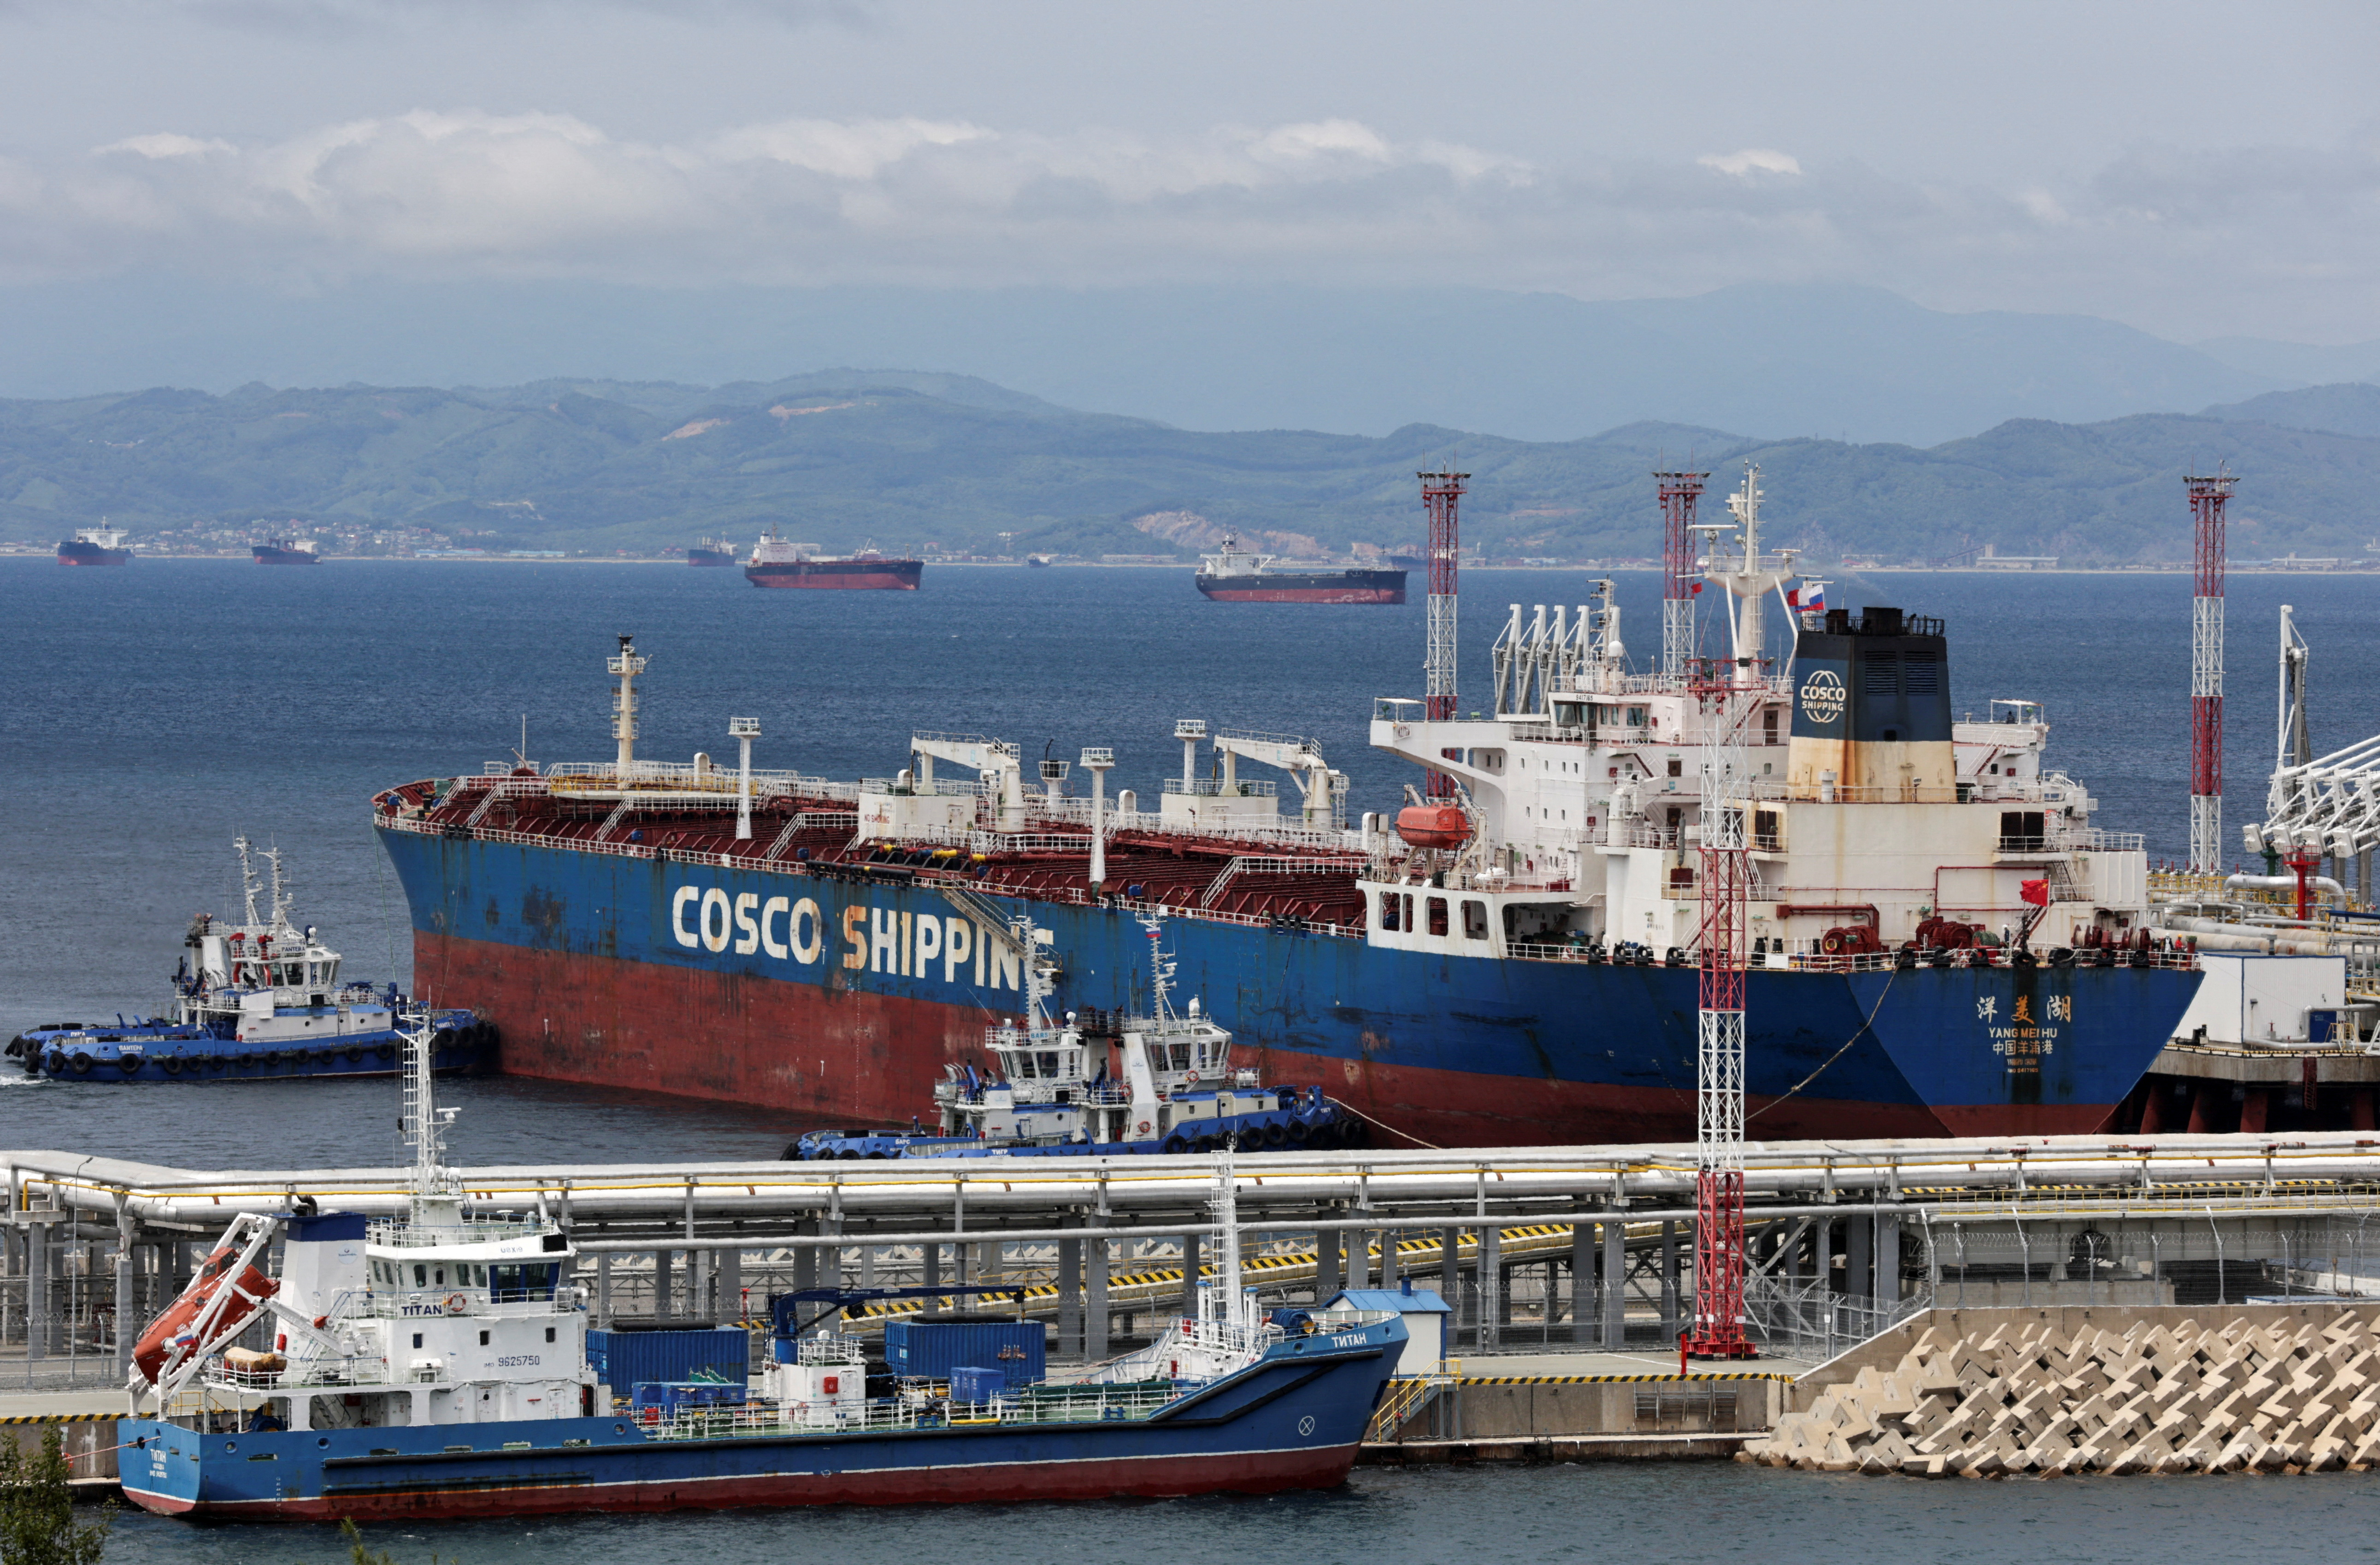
839,583
1306,595
842,1057
1149,1477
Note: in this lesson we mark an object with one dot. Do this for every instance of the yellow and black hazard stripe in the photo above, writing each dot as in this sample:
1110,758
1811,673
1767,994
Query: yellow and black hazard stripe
1613,1379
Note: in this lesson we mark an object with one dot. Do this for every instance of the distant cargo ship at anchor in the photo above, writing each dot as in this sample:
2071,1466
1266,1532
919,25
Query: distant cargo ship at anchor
776,563
1232,574
95,546
288,551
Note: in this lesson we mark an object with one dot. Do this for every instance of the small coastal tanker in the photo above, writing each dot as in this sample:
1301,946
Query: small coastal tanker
432,1363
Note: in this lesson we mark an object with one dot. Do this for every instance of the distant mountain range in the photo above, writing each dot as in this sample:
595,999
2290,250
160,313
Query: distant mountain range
1771,360
906,459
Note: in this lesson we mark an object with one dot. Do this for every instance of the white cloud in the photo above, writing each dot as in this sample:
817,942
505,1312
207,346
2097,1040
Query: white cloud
948,202
1750,161
858,149
166,144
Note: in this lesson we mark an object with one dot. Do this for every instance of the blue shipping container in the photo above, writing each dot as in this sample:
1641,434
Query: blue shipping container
623,1358
975,1384
669,1396
931,1350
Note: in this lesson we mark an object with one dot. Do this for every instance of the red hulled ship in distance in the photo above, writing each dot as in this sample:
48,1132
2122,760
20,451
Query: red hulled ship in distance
776,563
1232,576
94,546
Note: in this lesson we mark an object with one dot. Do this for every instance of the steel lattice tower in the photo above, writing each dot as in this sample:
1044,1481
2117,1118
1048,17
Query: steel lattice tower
2209,496
1679,494
1439,493
1727,696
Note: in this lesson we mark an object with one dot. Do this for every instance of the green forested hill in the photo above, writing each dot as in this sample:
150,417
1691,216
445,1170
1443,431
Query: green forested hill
905,460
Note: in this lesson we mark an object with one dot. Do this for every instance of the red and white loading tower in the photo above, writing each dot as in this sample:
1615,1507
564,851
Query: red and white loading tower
1679,494
2209,496
1726,693
1439,493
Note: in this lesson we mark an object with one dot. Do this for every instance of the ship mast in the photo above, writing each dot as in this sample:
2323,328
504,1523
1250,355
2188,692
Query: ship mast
1751,577
1160,971
248,885
1226,1205
281,901
1038,984
437,1190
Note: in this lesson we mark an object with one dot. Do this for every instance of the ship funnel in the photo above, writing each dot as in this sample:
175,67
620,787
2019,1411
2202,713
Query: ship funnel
1872,709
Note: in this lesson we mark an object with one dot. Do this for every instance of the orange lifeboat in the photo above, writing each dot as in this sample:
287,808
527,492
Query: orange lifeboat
1433,825
171,1335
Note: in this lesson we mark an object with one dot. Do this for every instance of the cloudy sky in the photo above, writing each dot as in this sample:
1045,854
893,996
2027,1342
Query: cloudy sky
2192,169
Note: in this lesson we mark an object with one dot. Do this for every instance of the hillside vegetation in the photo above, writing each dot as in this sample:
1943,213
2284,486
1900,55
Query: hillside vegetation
907,460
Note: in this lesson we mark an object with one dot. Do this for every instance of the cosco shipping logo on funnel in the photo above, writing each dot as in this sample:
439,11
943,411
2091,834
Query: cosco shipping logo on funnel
1822,695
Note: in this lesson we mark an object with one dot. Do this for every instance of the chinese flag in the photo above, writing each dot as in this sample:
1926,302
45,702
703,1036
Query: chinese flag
2035,892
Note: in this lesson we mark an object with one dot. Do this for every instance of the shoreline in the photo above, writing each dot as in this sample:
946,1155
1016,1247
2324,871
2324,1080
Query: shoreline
46,556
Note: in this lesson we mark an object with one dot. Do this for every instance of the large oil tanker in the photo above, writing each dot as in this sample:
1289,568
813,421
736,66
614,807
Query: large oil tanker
776,563
1942,941
1232,574
94,546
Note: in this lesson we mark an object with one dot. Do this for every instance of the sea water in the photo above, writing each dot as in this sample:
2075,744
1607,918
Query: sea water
157,712
1622,1513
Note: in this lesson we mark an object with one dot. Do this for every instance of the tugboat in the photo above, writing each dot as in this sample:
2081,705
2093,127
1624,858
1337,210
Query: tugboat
776,563
1103,1084
1235,576
257,1001
433,1365
288,551
95,546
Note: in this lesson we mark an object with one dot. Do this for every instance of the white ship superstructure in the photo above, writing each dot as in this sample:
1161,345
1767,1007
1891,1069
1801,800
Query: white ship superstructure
434,1317
1876,820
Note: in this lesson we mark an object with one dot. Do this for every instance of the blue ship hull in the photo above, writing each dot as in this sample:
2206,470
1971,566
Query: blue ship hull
825,993
167,1051
1292,1420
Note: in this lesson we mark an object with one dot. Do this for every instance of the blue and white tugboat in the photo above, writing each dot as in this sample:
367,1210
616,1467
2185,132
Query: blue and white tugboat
259,1001
1102,1085
433,1364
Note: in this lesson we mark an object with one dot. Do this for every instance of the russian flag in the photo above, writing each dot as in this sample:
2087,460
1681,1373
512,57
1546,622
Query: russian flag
1815,603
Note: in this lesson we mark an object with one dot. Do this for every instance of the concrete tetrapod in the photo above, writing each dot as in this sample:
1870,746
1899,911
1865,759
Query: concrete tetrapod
2187,1398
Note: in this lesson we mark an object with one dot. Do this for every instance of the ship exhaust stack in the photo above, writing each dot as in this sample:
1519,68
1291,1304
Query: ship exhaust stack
1440,492
1872,710
2208,498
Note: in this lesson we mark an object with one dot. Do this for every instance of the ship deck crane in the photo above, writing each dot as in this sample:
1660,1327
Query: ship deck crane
1302,759
995,762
